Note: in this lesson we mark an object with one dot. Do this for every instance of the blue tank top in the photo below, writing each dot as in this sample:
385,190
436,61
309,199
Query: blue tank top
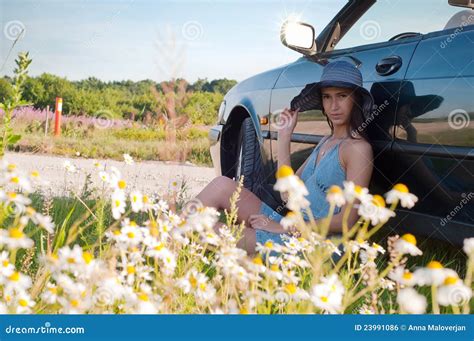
318,178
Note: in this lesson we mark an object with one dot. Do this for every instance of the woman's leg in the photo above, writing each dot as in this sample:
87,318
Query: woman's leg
217,194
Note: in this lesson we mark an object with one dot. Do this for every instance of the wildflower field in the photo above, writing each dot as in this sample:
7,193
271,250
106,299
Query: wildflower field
116,250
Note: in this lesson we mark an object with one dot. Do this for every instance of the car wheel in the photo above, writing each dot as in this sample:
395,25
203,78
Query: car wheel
249,158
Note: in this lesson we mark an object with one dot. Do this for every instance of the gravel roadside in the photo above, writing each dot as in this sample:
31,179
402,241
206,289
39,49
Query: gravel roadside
151,177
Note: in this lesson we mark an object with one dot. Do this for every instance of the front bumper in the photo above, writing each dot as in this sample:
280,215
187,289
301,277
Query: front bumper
215,136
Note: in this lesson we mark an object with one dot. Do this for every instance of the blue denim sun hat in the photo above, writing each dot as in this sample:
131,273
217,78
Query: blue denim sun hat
338,73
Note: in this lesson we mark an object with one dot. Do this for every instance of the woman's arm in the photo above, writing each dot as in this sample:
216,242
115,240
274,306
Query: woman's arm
358,159
288,120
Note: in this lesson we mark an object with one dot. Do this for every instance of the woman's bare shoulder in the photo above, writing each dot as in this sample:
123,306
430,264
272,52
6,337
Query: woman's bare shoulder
357,148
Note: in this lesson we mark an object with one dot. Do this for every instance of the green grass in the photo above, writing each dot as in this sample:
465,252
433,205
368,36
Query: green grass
190,144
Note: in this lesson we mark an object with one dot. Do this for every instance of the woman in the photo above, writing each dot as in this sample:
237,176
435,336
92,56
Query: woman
345,155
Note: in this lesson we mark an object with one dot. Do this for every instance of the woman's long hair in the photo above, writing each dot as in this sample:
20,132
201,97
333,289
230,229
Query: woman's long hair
357,120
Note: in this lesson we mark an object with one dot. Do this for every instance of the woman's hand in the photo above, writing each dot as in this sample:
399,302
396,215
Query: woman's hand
262,222
287,122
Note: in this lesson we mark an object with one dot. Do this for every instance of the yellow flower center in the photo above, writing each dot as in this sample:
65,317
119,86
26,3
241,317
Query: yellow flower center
335,190
358,189
378,200
15,277
268,244
450,280
145,199
142,296
87,256
23,302
407,275
74,303
290,214
35,174
274,267
15,233
258,261
409,238
116,232
12,195
5,263
193,281
158,247
117,203
121,184
71,260
11,167
290,288
324,299
401,188
130,235
130,269
203,286
53,290
434,265
243,311
284,171
15,180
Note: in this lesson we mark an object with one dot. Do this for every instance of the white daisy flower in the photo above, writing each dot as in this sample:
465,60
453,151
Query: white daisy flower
407,245
353,191
469,246
335,196
453,292
69,167
375,210
433,274
104,176
17,282
128,159
400,192
411,301
136,200
328,294
6,268
402,276
289,220
19,181
14,238
118,204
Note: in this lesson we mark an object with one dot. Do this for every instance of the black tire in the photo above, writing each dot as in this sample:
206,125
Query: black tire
249,158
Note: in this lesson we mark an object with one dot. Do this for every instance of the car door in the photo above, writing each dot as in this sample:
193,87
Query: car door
434,145
373,60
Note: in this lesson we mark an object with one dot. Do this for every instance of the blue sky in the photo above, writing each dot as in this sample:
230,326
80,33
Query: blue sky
158,40
139,39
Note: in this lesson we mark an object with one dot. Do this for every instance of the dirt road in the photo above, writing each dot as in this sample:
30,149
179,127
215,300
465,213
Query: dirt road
147,176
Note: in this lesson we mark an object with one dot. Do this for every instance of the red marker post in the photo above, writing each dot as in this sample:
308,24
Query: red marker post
57,116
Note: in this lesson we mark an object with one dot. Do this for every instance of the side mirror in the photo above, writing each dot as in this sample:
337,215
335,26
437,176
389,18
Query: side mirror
298,36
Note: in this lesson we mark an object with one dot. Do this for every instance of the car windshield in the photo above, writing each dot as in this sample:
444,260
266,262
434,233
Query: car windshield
389,18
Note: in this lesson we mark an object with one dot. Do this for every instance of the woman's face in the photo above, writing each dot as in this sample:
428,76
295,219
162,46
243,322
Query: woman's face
337,104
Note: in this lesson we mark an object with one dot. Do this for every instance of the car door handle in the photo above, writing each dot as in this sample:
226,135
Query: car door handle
389,65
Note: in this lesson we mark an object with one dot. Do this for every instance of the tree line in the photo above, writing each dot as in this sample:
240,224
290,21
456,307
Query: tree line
145,100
